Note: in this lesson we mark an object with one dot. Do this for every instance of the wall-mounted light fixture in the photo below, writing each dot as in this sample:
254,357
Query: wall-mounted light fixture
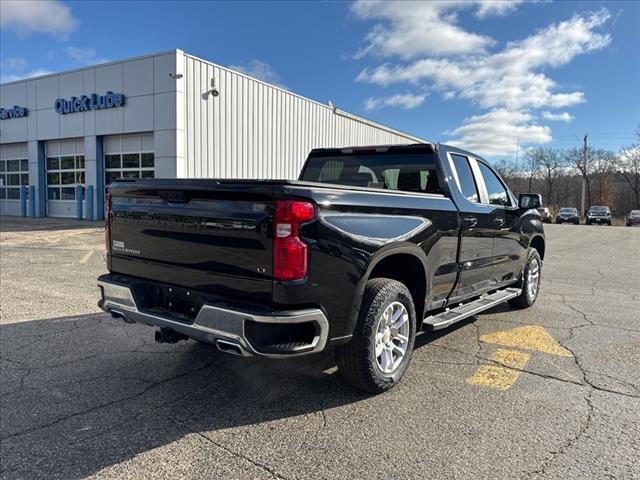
175,75
214,91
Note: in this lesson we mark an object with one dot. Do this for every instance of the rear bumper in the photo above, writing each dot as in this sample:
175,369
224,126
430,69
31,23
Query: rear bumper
273,334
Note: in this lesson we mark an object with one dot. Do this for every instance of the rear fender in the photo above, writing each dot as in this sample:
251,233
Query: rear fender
376,258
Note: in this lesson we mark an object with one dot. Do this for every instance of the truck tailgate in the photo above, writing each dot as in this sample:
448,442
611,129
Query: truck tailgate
208,235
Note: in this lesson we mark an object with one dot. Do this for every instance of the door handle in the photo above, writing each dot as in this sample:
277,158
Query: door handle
499,222
469,222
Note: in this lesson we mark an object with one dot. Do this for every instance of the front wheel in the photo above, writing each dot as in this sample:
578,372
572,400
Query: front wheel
530,281
380,350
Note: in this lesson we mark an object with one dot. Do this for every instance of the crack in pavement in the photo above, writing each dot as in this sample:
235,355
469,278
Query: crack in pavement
230,451
584,315
586,422
103,405
585,381
73,382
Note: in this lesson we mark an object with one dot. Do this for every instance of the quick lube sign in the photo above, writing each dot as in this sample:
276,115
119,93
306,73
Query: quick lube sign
15,112
85,103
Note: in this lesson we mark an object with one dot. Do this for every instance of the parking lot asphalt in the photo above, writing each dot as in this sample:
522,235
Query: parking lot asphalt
548,392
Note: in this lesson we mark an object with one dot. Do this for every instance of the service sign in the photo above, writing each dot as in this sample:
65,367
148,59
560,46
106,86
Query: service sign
85,103
15,112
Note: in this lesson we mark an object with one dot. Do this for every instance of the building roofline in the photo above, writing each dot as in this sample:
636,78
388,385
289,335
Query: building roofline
335,110
88,67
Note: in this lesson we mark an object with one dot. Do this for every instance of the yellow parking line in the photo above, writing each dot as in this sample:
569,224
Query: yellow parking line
529,337
500,378
86,258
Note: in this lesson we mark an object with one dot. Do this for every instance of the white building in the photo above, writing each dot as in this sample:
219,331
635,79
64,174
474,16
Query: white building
167,114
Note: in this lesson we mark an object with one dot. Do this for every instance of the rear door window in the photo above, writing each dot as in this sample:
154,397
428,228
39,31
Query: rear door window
466,181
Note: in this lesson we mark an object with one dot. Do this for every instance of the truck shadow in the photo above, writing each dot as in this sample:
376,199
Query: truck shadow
80,394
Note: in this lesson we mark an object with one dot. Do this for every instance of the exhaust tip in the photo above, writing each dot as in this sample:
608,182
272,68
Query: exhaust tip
120,316
229,347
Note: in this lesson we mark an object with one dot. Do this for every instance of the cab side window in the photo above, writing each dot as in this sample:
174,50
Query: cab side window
465,177
495,188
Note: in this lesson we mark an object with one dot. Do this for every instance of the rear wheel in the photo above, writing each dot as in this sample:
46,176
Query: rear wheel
380,350
530,281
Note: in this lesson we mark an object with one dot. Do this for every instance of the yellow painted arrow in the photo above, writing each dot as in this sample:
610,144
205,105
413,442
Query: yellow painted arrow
530,337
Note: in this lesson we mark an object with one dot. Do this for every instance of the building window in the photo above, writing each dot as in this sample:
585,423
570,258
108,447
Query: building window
128,165
14,173
64,173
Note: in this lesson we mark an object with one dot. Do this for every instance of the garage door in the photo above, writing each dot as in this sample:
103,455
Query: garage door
14,172
65,171
128,156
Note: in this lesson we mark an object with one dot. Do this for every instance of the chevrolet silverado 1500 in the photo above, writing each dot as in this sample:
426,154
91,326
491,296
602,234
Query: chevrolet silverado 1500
368,247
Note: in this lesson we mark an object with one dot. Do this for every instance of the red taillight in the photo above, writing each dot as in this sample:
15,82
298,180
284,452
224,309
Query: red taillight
289,252
107,221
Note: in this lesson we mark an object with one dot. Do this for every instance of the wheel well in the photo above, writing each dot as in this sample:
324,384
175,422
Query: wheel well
538,244
408,269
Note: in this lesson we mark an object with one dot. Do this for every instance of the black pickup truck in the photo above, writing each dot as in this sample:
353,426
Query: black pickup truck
369,246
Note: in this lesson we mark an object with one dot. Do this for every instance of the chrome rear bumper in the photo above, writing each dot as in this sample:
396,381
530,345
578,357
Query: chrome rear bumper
219,326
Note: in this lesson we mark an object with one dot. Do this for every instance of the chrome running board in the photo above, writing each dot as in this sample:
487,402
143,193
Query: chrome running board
466,310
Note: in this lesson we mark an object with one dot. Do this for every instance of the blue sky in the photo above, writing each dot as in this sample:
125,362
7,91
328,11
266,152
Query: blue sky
485,75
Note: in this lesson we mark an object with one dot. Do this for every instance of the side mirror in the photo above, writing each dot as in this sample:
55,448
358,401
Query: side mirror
527,201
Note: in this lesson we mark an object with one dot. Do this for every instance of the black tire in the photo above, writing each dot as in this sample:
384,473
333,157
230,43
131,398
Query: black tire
527,297
357,362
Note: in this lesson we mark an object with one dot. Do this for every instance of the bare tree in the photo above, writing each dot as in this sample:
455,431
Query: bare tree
507,171
533,160
628,166
603,164
551,162
504,168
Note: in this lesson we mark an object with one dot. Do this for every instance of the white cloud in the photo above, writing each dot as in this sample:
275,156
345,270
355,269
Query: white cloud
12,77
14,64
558,117
37,16
409,28
15,68
406,101
498,132
513,79
507,78
260,70
84,56
487,8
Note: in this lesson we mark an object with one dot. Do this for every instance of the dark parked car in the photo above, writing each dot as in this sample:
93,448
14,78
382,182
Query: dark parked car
633,218
568,215
368,247
600,214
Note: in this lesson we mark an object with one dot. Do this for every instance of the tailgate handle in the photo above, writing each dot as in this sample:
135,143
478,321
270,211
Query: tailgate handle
175,196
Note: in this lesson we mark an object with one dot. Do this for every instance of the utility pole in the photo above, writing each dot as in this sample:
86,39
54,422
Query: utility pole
584,174
517,172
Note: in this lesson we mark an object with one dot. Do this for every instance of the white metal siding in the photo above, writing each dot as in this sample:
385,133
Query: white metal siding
255,130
